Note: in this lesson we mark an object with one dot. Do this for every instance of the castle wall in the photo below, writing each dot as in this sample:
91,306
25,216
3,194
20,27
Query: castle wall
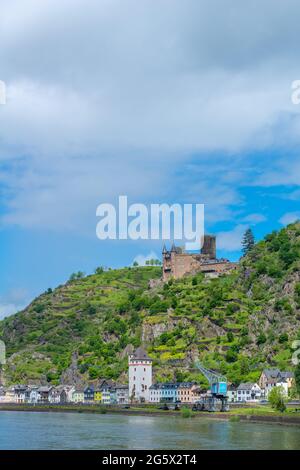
179,264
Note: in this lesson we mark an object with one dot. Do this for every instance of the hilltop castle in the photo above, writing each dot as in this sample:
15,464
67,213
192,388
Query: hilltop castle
177,263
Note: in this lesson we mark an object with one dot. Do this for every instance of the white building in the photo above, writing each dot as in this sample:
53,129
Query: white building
277,383
122,394
78,395
21,393
249,392
155,393
231,394
140,376
34,396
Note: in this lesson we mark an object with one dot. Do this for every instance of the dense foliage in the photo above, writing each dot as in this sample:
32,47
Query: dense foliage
238,323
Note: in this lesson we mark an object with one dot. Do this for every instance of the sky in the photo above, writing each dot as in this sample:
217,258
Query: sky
163,101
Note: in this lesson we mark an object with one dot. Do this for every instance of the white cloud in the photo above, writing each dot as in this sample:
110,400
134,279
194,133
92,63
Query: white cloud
231,240
289,218
254,218
9,309
141,259
13,301
110,97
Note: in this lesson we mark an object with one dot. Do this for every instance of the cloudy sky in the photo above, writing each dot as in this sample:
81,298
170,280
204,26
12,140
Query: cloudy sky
164,101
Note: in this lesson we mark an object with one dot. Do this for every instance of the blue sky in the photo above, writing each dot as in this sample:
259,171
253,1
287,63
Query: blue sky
161,101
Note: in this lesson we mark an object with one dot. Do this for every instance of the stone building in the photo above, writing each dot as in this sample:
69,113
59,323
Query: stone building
140,376
177,263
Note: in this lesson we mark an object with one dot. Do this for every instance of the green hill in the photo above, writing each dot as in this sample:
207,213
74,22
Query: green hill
237,323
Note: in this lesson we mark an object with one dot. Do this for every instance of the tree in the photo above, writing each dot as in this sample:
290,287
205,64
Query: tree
277,398
135,264
99,270
78,275
230,336
261,339
248,241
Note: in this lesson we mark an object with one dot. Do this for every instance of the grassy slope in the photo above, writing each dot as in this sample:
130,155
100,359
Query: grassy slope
237,323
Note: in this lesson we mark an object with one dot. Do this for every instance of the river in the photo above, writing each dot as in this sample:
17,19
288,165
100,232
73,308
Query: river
40,430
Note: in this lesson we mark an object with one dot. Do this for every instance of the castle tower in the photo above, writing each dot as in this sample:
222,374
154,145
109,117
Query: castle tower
140,375
167,265
209,246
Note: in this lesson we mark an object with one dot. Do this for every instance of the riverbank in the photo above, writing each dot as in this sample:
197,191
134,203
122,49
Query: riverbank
256,415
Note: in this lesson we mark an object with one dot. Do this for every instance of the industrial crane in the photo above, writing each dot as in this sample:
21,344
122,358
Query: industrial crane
218,389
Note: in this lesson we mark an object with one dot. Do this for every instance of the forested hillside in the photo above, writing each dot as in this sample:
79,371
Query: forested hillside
237,323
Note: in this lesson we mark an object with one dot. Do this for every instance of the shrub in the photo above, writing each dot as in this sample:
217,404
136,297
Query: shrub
186,412
261,339
283,338
39,308
230,336
231,356
277,399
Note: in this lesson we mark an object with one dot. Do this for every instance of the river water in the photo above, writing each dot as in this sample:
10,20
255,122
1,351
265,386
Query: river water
25,430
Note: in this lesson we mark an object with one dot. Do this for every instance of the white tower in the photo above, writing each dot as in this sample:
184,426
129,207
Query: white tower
140,375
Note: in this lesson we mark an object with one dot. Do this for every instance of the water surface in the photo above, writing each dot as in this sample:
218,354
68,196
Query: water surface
41,430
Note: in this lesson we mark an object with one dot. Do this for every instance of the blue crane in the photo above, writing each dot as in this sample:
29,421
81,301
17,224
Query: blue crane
218,388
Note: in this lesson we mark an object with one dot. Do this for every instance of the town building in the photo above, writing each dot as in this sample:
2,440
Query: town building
78,395
9,395
122,394
276,383
169,392
188,392
21,394
231,393
98,395
44,393
88,393
34,396
155,393
177,262
55,395
249,392
140,376
271,377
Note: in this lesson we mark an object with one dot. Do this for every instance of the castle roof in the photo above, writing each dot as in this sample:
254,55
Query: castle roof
140,353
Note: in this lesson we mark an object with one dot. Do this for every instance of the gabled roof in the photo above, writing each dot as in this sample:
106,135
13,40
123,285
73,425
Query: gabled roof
45,389
105,384
140,353
246,386
20,388
170,386
271,373
121,387
287,374
281,381
155,387
186,384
